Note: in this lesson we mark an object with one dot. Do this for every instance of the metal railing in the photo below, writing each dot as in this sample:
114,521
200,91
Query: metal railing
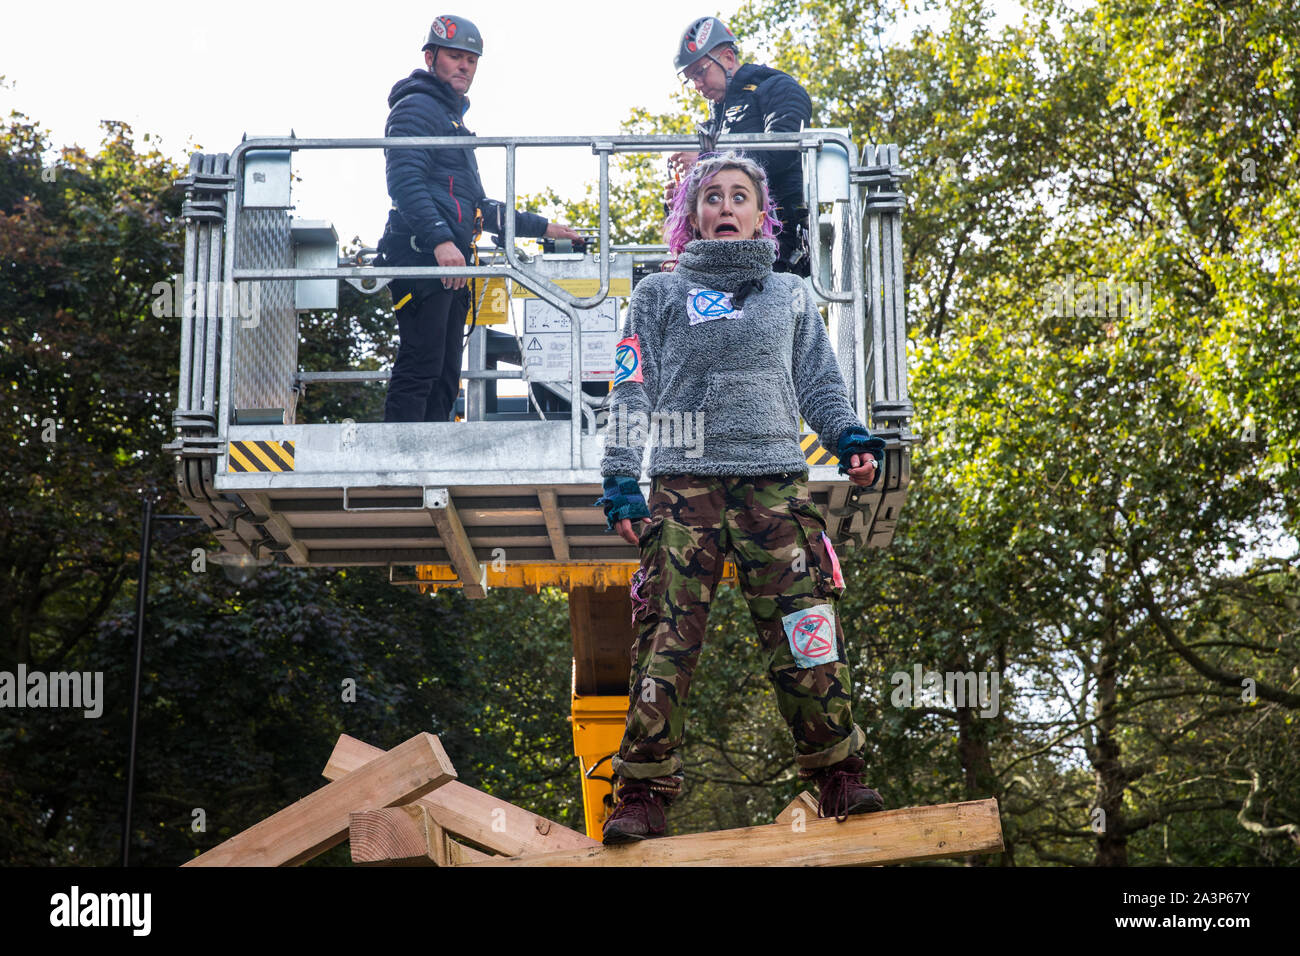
217,193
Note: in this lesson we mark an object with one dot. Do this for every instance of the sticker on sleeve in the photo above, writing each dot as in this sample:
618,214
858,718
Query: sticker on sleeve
811,633
837,576
627,360
708,305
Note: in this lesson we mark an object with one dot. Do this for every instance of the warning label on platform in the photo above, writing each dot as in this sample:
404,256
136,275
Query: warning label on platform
548,346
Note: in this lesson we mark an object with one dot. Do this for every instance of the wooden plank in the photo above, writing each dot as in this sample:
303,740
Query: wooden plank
320,820
805,802
459,552
554,526
601,624
890,836
470,814
404,836
802,809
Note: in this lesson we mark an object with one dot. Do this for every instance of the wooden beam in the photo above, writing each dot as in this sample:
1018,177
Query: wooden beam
802,809
890,836
320,820
470,814
601,624
456,542
554,525
805,802
404,836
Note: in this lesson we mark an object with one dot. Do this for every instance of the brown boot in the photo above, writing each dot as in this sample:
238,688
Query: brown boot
843,792
638,815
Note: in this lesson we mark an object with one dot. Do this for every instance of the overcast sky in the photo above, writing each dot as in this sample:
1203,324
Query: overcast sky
200,76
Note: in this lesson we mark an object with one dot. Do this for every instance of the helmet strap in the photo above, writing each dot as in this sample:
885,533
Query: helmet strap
725,72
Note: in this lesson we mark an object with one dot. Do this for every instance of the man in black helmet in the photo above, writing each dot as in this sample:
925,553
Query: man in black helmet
750,99
438,208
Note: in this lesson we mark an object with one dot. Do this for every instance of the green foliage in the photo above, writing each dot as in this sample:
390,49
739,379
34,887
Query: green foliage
1103,511
1090,485
87,368
361,335
636,189
242,698
245,696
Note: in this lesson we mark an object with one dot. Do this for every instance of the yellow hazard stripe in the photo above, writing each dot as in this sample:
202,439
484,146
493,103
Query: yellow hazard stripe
260,456
814,453
266,455
282,450
237,460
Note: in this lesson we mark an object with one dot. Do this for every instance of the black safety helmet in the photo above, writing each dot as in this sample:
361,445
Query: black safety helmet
699,38
455,33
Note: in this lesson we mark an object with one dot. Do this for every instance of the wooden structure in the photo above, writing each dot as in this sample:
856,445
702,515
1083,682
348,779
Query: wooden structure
404,807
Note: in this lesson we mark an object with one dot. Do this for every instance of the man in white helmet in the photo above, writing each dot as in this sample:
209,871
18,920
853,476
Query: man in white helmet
750,98
438,208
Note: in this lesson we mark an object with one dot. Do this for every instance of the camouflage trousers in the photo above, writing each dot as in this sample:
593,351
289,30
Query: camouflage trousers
790,577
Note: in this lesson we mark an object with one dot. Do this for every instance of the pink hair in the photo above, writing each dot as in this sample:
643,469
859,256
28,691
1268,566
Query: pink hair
677,226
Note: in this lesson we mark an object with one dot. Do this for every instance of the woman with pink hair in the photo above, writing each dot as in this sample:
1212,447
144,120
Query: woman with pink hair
734,354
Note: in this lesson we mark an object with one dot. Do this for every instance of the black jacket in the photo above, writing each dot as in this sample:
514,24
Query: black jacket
763,100
436,192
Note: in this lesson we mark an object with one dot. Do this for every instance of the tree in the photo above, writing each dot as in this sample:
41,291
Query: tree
87,368
1082,498
1100,265
244,691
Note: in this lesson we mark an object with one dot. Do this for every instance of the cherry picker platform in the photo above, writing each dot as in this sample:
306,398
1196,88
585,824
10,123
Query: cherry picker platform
447,497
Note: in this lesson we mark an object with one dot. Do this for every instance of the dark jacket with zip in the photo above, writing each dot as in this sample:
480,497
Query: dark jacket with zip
763,100
436,192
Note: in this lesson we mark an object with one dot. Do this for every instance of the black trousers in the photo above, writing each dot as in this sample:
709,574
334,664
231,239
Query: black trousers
426,375
788,242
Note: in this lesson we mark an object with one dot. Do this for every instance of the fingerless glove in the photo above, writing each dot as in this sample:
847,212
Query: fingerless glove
622,499
856,441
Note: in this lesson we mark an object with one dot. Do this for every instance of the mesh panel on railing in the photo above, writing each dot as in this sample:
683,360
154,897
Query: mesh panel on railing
266,325
841,313
891,257
873,292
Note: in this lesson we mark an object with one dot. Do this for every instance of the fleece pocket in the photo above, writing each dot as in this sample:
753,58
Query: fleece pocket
750,406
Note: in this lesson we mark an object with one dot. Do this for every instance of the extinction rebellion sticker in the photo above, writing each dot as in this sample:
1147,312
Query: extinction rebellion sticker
627,360
708,305
812,635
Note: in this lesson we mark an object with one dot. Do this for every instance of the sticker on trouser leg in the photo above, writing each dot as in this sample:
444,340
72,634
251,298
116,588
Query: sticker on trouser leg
837,576
812,635
640,606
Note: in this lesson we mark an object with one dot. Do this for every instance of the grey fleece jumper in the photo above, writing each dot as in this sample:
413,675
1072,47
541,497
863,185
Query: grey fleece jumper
741,376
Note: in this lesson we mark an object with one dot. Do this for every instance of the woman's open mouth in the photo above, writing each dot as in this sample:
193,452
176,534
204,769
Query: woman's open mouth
725,228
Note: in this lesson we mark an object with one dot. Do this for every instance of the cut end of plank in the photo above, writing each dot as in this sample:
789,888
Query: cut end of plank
320,820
